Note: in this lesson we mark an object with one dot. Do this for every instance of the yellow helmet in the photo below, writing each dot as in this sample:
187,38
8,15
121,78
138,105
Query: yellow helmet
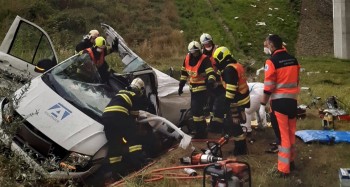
193,47
100,42
205,38
221,54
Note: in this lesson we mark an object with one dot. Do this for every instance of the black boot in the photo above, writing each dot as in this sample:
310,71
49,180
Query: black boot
201,131
215,127
292,166
240,148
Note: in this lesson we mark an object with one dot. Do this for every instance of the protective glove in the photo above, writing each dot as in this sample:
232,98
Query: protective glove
181,86
180,91
115,44
211,84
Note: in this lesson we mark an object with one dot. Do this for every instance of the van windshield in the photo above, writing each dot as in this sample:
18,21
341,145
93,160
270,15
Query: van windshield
78,81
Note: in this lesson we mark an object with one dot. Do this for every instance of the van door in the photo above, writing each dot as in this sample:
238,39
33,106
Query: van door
24,45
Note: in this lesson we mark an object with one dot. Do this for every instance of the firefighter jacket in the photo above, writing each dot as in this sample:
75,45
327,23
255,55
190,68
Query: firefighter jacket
281,76
124,102
198,70
84,44
210,55
98,62
235,84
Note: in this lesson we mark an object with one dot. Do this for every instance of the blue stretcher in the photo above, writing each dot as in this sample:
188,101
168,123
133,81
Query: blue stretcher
323,136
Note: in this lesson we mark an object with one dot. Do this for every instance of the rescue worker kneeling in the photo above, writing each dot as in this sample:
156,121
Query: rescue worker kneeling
125,151
236,97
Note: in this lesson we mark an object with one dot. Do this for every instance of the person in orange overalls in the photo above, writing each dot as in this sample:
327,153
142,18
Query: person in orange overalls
197,68
281,87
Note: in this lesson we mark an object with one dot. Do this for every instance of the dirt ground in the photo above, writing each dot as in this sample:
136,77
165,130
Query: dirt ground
316,28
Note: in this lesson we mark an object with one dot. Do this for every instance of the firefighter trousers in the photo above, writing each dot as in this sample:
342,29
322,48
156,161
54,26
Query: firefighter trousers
198,101
120,130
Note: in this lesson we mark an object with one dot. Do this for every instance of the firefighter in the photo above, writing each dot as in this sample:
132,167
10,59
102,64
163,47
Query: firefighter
215,98
45,64
236,96
198,69
88,41
119,119
281,87
98,52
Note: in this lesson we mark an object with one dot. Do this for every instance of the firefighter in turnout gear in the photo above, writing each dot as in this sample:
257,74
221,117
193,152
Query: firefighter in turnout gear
281,87
236,97
98,52
215,98
88,41
198,70
119,119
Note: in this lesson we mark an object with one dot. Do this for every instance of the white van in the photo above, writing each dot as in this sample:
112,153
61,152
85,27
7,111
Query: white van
60,110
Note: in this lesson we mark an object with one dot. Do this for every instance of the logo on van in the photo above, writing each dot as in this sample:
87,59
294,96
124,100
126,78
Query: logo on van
58,112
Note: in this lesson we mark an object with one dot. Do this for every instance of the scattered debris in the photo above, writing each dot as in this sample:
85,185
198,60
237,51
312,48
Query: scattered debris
260,23
269,15
312,72
299,181
280,18
236,17
253,5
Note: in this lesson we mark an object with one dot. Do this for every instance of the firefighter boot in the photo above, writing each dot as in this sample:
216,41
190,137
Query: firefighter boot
215,127
201,131
240,147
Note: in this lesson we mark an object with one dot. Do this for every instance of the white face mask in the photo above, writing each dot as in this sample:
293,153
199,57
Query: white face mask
267,51
209,48
99,50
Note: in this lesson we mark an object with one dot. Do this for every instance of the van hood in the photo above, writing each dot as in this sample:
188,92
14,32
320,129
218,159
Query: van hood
60,121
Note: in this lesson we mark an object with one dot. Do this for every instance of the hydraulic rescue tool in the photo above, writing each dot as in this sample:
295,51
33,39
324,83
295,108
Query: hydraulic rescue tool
214,148
199,158
228,173
210,155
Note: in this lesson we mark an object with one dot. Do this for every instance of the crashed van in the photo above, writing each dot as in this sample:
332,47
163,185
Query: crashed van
61,134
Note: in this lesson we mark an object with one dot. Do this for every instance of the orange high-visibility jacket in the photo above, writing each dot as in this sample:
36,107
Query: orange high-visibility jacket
97,62
281,76
195,77
241,88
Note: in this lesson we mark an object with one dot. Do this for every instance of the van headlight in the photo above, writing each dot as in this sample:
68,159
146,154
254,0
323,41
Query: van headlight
75,161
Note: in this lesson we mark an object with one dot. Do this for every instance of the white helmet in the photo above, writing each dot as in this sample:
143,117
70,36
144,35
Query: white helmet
94,33
205,38
137,83
193,47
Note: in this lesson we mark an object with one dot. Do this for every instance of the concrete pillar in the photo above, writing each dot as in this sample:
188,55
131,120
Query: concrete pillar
341,28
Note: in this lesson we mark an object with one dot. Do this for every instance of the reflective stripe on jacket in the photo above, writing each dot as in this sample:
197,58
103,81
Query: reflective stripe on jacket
122,102
236,91
281,76
242,86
